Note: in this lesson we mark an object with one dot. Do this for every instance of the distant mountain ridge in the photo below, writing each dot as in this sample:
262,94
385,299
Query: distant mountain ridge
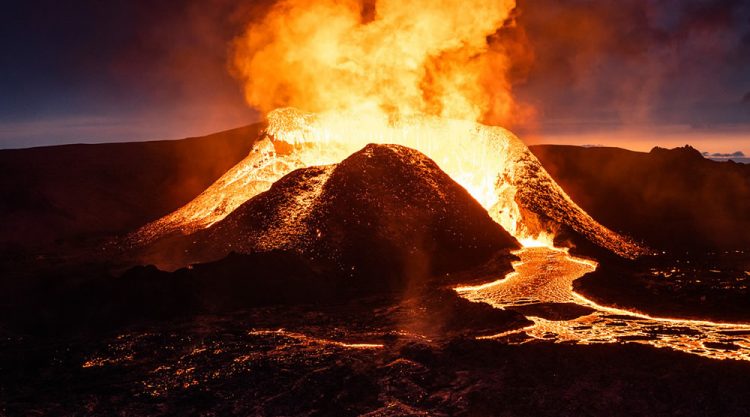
57,194
673,199
78,193
738,157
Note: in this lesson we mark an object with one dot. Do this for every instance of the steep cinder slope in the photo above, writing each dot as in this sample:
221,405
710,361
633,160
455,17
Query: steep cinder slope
673,199
387,212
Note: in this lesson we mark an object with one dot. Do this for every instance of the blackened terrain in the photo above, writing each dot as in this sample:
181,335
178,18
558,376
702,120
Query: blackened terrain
708,286
270,333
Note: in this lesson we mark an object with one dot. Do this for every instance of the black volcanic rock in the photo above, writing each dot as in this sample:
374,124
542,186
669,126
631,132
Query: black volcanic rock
699,286
91,301
218,365
672,199
387,213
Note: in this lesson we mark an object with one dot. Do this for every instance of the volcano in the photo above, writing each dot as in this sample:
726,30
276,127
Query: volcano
385,211
492,164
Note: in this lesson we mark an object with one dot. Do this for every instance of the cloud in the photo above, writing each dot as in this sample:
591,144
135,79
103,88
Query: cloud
149,70
738,154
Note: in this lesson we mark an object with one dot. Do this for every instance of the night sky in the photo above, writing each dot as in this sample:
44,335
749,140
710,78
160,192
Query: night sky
628,73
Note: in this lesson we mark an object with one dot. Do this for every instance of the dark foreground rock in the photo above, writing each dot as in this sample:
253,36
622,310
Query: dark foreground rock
311,361
86,300
707,286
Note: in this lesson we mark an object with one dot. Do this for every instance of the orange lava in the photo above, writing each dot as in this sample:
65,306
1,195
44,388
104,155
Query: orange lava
546,276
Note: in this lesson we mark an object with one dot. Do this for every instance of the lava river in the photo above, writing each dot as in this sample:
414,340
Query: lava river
544,277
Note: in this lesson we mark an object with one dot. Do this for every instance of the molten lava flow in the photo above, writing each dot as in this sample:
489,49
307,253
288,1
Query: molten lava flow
544,277
314,340
492,164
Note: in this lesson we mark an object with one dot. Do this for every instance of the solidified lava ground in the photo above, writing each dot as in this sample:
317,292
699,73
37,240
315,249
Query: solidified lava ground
295,361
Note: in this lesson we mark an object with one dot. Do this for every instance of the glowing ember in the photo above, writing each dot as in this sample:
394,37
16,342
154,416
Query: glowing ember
313,340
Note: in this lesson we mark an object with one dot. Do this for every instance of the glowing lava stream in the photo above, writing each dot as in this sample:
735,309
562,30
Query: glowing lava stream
545,275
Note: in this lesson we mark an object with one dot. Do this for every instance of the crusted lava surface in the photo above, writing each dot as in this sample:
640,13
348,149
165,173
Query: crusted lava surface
712,285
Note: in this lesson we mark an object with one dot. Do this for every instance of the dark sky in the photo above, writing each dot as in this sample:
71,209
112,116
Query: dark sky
117,70
609,72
